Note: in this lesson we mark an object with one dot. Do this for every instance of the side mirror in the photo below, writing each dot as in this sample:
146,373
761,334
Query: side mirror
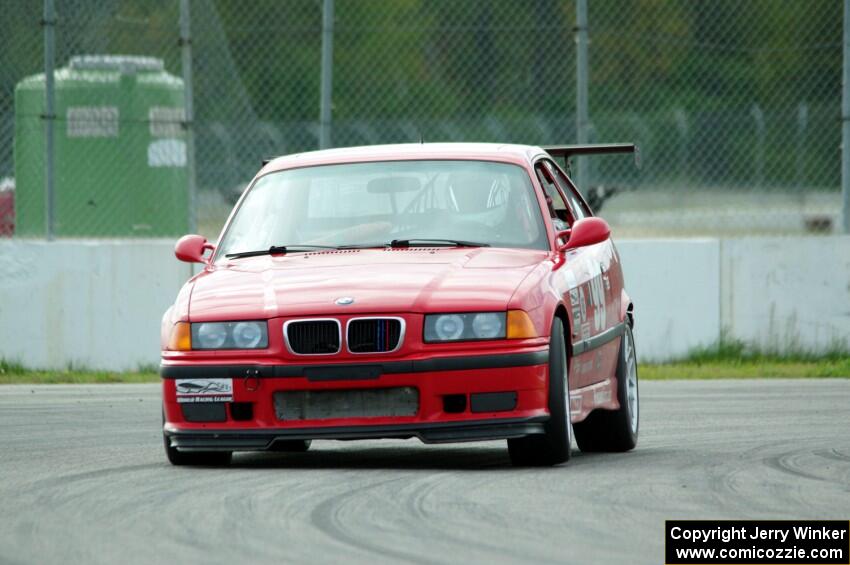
587,231
562,237
191,248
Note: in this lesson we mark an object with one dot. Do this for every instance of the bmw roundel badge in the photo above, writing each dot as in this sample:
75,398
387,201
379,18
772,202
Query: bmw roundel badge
345,300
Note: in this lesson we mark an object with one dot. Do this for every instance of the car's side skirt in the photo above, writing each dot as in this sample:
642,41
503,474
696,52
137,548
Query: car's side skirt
586,399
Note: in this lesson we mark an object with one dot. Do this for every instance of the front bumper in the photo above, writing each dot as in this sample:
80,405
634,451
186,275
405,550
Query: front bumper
522,375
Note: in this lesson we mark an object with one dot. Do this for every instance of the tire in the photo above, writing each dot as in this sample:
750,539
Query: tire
195,458
555,444
615,430
292,445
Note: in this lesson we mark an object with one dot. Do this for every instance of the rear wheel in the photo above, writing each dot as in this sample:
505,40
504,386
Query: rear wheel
554,445
197,458
615,430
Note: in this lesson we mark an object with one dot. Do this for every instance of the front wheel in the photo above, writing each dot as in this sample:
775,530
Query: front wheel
194,458
555,444
615,430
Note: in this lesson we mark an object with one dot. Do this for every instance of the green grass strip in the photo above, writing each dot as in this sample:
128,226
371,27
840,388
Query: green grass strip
15,373
746,369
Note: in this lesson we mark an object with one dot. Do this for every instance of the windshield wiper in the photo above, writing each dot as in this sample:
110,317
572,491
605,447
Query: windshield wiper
427,242
277,250
414,242
362,246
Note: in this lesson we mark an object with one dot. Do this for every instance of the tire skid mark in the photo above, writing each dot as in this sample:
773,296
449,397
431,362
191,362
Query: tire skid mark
465,515
326,517
84,501
797,463
446,525
64,480
834,454
736,484
445,457
424,526
275,506
479,525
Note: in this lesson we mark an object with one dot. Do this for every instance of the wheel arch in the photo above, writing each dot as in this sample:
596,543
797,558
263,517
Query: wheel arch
561,312
627,312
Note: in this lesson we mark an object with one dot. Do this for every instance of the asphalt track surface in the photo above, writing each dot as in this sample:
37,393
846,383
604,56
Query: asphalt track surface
83,479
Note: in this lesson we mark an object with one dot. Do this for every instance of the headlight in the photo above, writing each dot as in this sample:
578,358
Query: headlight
488,326
448,327
248,335
209,336
463,327
230,335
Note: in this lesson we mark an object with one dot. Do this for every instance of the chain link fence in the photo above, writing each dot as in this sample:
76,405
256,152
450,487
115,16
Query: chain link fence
118,151
735,106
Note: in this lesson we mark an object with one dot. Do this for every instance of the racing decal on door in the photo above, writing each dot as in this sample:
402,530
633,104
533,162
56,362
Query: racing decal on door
204,390
579,304
597,298
594,299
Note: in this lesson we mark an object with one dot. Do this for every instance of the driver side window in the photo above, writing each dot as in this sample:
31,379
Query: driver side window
558,210
577,207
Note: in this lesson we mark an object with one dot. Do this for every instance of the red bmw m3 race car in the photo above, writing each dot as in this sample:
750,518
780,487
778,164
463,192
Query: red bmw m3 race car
447,292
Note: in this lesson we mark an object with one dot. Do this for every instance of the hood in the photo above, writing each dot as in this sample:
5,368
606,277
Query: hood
379,281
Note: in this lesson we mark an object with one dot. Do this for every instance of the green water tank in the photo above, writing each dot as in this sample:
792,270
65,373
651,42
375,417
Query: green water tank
120,150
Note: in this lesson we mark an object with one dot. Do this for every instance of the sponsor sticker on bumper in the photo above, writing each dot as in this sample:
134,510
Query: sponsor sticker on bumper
204,390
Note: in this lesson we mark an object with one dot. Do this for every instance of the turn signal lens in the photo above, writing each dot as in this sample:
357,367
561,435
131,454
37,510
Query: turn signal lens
520,325
181,337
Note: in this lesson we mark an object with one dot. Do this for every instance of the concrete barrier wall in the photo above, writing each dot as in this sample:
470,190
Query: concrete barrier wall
98,304
91,304
675,287
787,293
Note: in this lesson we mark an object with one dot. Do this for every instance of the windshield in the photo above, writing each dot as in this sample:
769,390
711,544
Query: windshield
366,204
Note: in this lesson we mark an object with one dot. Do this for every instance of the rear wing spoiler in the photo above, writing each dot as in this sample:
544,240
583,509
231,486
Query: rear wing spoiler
567,151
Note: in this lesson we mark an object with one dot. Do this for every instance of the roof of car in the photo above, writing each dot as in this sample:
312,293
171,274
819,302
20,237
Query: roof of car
520,154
